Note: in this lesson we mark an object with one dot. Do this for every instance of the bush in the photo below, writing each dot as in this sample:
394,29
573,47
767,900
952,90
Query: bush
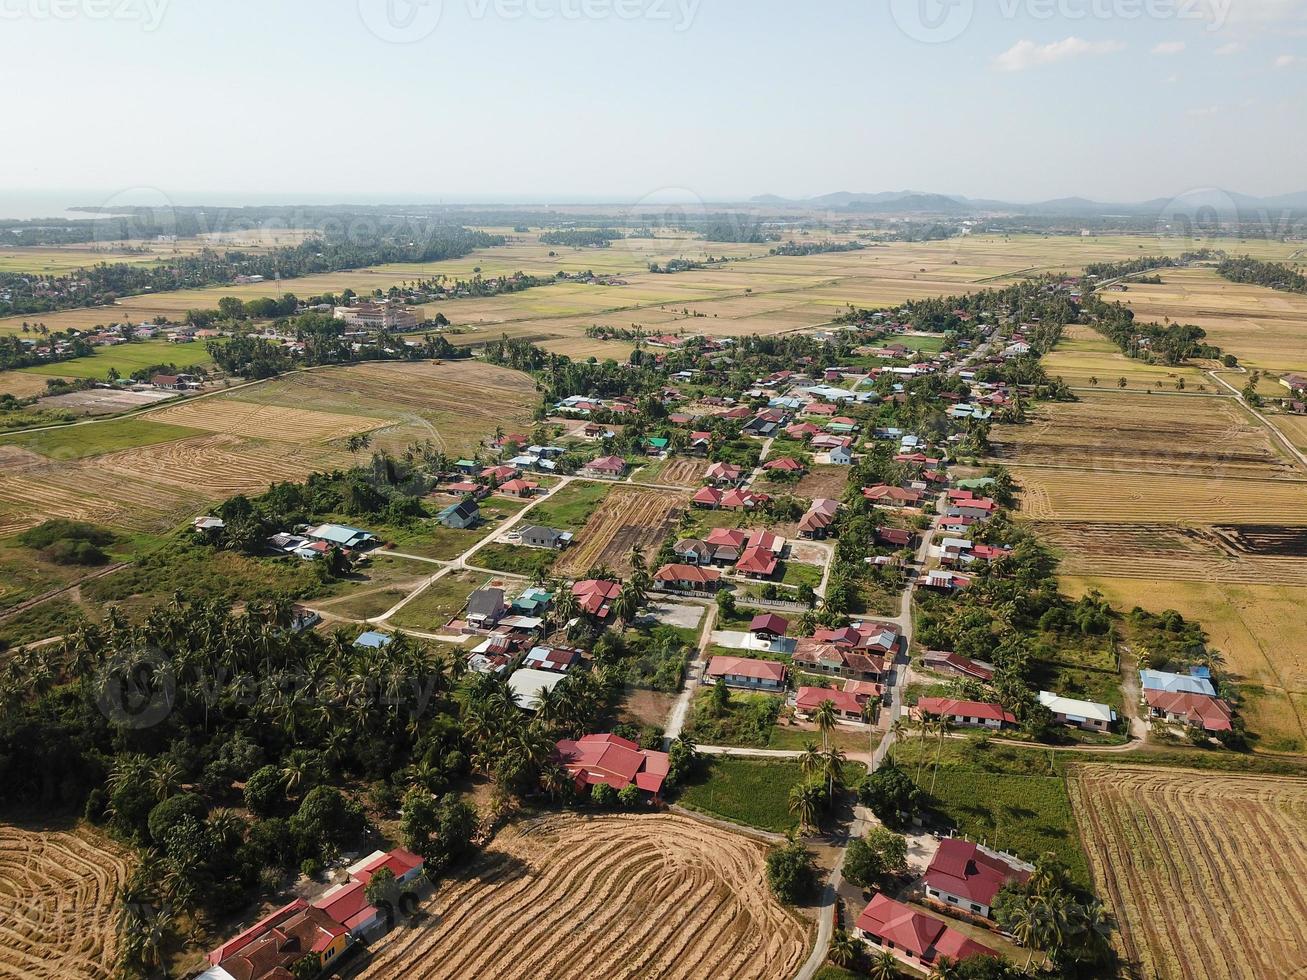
172,811
791,873
880,854
263,791
67,542
603,795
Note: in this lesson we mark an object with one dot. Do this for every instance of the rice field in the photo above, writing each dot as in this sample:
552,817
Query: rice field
1084,356
273,422
126,359
629,516
1205,873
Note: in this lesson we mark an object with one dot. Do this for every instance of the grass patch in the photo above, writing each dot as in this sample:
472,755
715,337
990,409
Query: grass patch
569,508
753,792
747,720
515,559
127,358
439,602
98,438
796,739
53,618
796,574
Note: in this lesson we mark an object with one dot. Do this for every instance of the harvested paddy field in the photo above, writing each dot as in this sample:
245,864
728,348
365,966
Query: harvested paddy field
629,516
261,421
1265,328
1160,433
612,897
1206,873
1084,357
1257,628
1294,428
20,384
57,904
456,404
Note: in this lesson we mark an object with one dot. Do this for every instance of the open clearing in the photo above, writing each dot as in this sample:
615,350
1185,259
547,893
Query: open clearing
57,892
680,472
266,421
20,384
628,516
1257,628
1206,873
565,895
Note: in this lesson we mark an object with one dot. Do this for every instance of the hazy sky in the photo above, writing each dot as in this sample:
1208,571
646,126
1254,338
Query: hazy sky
629,99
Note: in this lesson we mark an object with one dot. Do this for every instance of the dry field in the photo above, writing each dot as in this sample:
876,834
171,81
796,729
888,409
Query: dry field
273,422
1263,327
823,481
1294,428
682,472
456,404
1111,430
20,384
57,911
1257,628
612,897
1206,873
1133,497
628,516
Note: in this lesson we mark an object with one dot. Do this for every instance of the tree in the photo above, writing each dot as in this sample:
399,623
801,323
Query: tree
884,966
845,949
880,854
383,891
720,697
824,716
806,801
891,795
166,815
790,872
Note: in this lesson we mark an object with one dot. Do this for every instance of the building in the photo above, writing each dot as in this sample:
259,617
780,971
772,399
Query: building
969,877
827,658
1160,680
756,563
595,597
276,943
613,761
757,675
848,705
1089,715
768,626
914,937
348,905
884,495
709,497
816,523
557,659
341,535
785,464
955,663
840,456
1210,714
966,714
377,316
724,474
605,468
519,488
485,607
535,536
527,685
372,640
1294,382
688,578
462,515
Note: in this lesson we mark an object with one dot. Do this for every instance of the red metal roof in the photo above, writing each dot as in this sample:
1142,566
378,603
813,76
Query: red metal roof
746,667
961,868
757,561
919,934
399,861
594,759
769,623
811,698
967,709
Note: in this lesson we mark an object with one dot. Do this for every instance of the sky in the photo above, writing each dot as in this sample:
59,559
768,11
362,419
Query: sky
226,101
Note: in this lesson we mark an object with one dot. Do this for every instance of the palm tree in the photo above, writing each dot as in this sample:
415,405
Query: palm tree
1025,927
805,803
896,730
833,769
946,968
884,966
627,604
810,759
824,716
844,949
939,748
166,777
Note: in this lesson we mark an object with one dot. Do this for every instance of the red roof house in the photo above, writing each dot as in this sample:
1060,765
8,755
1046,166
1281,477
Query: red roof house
691,578
965,876
707,497
596,596
847,704
606,467
972,714
615,761
1208,713
786,464
756,563
913,936
769,623
747,672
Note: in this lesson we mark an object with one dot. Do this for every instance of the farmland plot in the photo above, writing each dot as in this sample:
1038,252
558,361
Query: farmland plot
266,421
628,516
57,904
681,472
1206,873
613,897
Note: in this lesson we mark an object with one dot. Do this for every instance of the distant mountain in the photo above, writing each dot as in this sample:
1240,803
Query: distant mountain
1221,202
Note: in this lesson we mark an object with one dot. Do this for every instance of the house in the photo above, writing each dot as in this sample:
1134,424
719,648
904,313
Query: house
519,488
613,761
826,658
692,551
980,508
1160,680
403,864
785,464
955,663
756,563
174,382
969,877
461,515
727,544
884,495
881,639
742,500
486,607
766,541
497,474
341,535
840,456
372,640
276,943
762,675
707,497
558,659
724,474
595,597
895,537
848,706
700,442
527,685
816,523
1089,715
536,536
914,937
605,468
688,578
1208,713
966,714
348,905
864,691
1294,382
768,626
944,581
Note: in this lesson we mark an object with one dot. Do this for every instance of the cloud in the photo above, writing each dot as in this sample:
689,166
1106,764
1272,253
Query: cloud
1169,47
1234,47
1285,61
1172,79
1206,110
1028,54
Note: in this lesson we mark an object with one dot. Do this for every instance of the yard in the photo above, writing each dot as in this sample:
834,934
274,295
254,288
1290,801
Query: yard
438,602
753,792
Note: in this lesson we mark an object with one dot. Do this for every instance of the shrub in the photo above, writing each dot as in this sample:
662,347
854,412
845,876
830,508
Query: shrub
791,872
172,811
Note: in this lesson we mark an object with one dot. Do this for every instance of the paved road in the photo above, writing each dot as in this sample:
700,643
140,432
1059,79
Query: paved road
1293,450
